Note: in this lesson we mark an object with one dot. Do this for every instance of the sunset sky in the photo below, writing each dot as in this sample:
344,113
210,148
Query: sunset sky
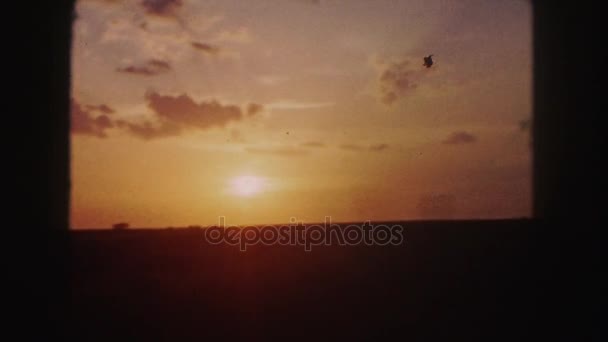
263,110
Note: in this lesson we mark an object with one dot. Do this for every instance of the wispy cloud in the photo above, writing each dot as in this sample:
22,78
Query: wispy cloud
362,148
459,138
399,78
151,68
314,2
271,80
241,35
396,80
378,147
295,105
351,147
102,108
278,151
316,144
147,36
206,48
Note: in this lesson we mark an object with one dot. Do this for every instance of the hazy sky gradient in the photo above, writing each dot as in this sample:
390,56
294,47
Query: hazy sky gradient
325,103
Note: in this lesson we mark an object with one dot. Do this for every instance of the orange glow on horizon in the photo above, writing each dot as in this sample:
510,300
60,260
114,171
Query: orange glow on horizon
189,111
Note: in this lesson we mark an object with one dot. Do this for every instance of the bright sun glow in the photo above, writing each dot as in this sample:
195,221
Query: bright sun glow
246,186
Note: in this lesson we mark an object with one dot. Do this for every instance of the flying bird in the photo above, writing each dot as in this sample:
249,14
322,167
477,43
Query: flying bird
428,61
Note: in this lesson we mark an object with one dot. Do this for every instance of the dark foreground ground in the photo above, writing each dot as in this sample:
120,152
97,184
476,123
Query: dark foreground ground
449,281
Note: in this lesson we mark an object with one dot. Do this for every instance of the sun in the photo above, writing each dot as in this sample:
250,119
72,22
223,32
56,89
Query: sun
246,186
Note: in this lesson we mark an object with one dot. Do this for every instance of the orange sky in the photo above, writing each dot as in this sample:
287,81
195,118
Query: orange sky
259,111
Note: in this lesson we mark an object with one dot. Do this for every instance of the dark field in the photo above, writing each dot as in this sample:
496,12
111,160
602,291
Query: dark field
447,281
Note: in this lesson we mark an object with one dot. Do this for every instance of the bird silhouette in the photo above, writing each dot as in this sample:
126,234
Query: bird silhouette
428,61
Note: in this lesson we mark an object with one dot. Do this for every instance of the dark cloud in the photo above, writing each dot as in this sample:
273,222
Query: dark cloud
150,68
458,138
182,110
397,80
84,122
176,114
164,8
313,144
137,70
159,64
254,108
437,206
207,48
351,147
147,130
278,151
378,147
173,115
